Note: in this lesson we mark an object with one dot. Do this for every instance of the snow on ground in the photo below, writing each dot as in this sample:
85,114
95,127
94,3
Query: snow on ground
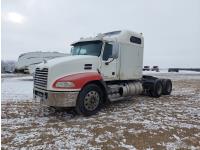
181,75
16,88
3,75
169,122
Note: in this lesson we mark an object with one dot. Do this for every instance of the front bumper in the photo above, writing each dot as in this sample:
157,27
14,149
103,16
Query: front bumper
56,99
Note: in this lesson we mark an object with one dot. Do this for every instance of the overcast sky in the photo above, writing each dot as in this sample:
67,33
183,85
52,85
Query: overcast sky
171,28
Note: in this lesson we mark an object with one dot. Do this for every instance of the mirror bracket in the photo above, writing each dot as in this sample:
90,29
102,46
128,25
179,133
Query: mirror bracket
108,62
115,50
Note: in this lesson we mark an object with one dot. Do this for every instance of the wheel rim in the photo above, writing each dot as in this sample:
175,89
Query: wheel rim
91,100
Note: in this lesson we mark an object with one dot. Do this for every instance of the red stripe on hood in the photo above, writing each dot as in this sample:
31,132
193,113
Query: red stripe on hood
79,79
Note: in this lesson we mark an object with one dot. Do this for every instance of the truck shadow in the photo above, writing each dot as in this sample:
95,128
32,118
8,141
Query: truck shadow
56,112
116,106
70,113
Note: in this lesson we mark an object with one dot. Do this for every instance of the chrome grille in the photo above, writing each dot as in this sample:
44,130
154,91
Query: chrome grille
40,78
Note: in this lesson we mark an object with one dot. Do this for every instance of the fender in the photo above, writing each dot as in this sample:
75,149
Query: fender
79,79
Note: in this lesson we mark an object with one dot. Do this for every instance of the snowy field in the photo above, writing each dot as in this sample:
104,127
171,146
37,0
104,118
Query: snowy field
169,122
15,88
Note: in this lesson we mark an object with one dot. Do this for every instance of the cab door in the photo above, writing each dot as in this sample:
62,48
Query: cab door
109,62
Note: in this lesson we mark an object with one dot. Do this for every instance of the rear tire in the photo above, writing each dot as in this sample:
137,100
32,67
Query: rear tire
156,90
90,100
167,87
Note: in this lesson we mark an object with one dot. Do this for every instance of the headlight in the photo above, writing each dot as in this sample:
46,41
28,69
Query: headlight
64,84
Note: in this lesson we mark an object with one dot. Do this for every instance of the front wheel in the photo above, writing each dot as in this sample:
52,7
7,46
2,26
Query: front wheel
89,100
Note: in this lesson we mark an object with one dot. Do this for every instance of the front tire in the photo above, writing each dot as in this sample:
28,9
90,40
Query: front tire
90,100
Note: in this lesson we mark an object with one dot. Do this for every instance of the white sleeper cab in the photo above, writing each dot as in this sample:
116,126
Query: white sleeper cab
104,68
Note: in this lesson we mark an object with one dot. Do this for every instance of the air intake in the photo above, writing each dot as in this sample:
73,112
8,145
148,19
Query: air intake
40,78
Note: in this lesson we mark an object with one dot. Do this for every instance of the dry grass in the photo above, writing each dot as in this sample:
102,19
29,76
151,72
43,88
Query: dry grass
170,122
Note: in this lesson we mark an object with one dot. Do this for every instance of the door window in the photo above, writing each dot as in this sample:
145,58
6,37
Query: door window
107,51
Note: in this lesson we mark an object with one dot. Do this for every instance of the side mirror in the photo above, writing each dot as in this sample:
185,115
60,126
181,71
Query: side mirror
115,50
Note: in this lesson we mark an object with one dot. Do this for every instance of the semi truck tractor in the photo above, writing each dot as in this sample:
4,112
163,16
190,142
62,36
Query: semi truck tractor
100,70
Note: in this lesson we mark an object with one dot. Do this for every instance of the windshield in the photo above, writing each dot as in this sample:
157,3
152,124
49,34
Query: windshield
87,48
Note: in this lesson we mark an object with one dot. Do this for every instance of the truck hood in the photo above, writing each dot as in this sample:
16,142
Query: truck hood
68,59
60,67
